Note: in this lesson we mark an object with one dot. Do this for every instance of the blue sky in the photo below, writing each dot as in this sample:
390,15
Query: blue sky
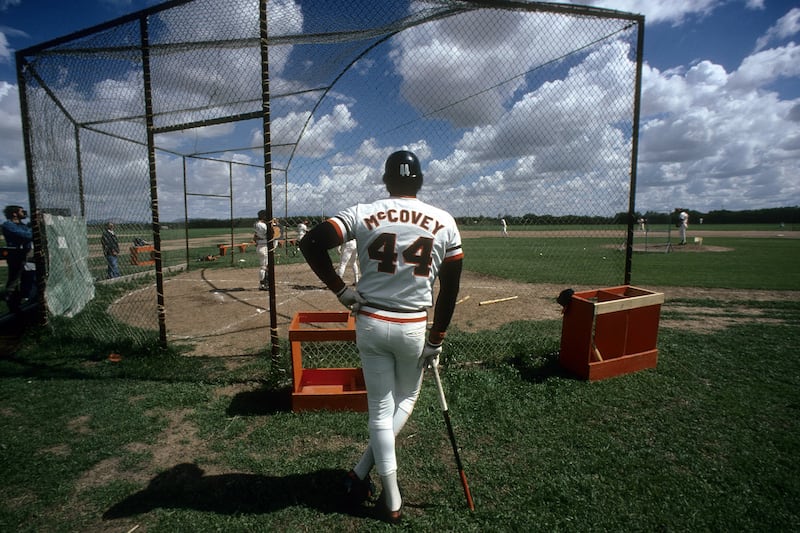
721,104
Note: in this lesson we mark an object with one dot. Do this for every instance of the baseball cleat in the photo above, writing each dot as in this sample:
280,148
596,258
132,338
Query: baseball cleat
390,517
357,491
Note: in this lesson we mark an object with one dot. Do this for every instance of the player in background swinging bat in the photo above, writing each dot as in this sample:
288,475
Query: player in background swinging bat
404,245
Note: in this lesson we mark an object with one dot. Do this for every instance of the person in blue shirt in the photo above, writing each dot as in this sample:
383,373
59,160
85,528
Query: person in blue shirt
19,242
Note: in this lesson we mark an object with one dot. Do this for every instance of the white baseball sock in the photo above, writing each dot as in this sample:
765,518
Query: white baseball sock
367,460
391,491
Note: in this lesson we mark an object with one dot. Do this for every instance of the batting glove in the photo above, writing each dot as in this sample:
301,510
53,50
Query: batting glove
351,299
430,355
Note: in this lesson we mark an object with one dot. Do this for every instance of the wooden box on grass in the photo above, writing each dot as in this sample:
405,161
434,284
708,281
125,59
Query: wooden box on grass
148,252
335,389
611,331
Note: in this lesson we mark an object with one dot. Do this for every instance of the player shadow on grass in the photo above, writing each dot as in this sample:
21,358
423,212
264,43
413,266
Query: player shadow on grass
185,486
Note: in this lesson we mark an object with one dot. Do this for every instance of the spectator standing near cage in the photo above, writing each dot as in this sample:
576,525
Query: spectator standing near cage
349,258
21,282
110,245
406,245
262,236
683,225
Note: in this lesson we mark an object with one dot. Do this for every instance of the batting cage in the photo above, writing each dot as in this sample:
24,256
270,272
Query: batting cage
179,123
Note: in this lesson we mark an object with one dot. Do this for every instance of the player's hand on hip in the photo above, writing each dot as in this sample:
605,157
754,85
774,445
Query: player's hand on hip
430,355
351,299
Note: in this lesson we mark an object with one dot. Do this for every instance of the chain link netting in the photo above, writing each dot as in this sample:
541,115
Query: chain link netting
522,114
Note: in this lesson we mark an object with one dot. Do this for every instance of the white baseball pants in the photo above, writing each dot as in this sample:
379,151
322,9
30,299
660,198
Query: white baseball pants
389,345
263,259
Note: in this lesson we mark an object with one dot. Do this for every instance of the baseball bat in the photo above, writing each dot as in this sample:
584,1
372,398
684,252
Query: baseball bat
452,436
596,353
498,300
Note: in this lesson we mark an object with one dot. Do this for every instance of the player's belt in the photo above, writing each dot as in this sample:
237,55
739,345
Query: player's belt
393,315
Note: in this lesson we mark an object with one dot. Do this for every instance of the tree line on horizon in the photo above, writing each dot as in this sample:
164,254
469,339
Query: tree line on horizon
789,216
776,215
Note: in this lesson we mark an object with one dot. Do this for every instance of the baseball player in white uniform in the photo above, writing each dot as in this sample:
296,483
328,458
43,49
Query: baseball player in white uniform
262,236
683,224
302,229
404,245
349,258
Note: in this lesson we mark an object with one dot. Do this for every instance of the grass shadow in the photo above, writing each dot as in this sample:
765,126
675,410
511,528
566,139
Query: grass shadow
262,401
540,368
14,324
185,486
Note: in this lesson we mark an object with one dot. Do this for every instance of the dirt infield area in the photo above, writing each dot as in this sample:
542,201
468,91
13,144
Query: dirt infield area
221,312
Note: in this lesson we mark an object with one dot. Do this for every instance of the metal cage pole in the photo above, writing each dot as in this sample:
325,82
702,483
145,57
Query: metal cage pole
230,207
38,248
637,101
151,158
266,121
185,213
79,163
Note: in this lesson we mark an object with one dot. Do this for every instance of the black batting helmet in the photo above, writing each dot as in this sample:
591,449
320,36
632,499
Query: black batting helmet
402,174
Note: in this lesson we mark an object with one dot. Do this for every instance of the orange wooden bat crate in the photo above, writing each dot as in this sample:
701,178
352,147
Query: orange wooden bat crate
334,389
611,331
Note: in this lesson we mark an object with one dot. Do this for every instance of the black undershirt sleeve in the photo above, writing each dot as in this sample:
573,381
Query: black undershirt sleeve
449,284
314,246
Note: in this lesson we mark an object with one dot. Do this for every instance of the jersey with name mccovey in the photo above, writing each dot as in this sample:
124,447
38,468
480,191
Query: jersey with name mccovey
402,243
404,216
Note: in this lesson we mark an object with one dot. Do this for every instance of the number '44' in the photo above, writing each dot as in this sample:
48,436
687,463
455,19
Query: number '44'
384,250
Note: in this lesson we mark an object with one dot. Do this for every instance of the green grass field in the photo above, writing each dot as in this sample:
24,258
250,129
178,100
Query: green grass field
707,441
766,263
697,269
751,263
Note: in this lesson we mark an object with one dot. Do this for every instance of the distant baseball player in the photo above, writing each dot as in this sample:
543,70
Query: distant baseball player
262,235
683,225
349,258
504,227
404,245
302,229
